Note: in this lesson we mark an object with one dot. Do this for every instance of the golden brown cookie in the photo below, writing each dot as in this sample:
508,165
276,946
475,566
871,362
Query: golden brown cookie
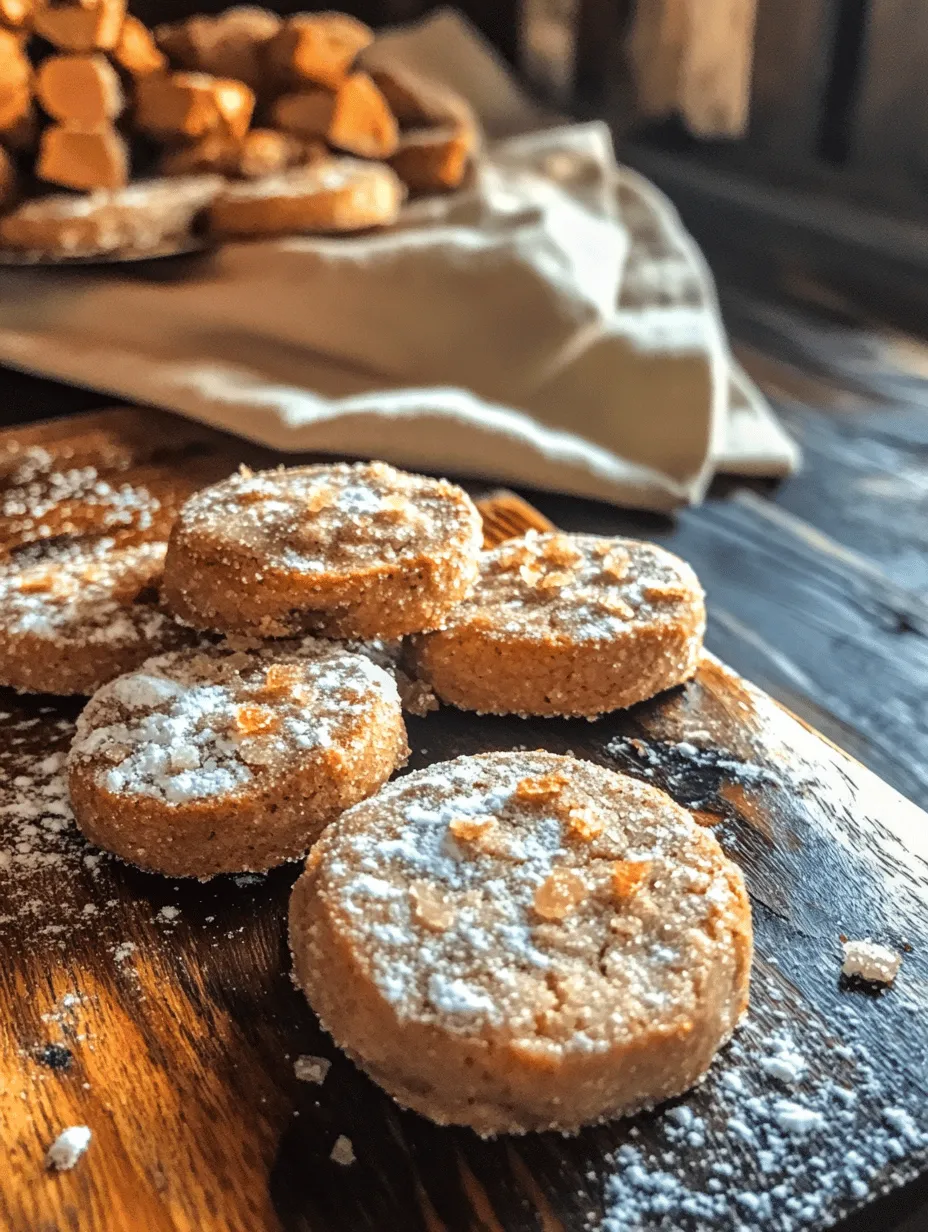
317,48
142,217
229,44
80,90
356,118
80,25
136,53
431,160
85,159
522,941
328,197
419,102
176,106
567,625
338,550
262,152
206,762
75,612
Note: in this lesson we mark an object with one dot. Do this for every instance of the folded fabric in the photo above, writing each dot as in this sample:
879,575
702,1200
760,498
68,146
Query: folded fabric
551,325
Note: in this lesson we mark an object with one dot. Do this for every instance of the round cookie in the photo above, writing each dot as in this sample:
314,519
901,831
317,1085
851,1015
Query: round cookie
523,941
144,217
324,198
220,761
343,551
567,625
74,613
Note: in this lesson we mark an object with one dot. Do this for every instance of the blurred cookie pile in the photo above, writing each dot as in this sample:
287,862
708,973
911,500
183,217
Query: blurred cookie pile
252,123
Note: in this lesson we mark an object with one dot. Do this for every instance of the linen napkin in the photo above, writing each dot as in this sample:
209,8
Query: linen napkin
550,325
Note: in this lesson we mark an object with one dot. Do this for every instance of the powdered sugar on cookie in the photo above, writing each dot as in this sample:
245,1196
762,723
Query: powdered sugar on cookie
471,886
196,725
310,519
577,586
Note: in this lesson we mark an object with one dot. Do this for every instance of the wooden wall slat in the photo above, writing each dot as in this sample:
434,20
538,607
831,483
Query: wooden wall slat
890,128
793,51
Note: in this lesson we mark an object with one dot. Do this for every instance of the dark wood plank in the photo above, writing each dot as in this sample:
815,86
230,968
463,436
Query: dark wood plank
174,1000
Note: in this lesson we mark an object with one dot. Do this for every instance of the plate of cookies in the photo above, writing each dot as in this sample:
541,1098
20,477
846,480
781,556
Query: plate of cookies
120,143
379,854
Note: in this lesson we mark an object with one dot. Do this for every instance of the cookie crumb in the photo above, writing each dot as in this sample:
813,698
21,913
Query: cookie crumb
342,1151
312,1069
67,1148
869,961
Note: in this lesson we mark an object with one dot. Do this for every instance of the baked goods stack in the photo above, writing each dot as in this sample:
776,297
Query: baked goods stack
512,941
266,126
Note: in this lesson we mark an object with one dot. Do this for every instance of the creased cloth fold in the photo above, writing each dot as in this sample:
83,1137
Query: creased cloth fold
550,325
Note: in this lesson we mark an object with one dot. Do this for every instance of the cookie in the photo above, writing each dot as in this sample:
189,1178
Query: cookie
85,159
180,106
567,625
317,48
227,761
47,497
141,218
356,118
262,152
76,612
136,53
420,103
431,160
523,941
91,25
230,44
80,90
337,195
338,550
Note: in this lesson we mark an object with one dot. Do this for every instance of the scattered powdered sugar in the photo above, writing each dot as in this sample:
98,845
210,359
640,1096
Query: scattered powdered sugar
200,723
692,774
311,1069
67,1148
343,1151
44,862
793,1161
868,960
579,586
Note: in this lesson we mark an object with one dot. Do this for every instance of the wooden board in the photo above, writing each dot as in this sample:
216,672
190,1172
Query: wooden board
161,1015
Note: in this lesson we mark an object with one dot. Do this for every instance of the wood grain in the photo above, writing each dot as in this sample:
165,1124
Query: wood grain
182,1024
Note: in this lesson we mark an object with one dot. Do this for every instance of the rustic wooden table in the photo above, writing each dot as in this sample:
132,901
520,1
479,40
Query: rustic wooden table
818,587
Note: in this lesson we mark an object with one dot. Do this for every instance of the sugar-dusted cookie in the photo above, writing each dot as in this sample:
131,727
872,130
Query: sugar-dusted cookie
205,762
522,941
75,612
567,625
140,218
343,551
331,196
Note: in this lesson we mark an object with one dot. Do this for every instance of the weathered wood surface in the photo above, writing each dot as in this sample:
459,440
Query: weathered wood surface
181,1026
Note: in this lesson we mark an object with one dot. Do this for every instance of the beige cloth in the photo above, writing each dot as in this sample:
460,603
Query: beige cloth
551,326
